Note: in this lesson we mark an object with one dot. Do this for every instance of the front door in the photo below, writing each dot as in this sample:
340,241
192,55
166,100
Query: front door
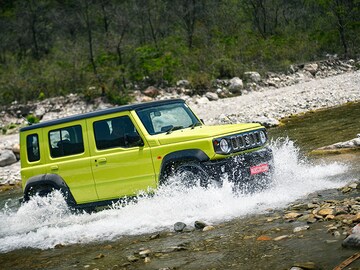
121,163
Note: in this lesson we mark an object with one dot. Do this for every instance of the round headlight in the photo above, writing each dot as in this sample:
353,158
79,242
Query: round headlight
224,146
262,137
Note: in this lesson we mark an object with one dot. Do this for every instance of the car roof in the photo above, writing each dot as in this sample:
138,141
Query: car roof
123,108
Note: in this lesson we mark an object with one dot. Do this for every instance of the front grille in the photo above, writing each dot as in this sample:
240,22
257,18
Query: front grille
245,141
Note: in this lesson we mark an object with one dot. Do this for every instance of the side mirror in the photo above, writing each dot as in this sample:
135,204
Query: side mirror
134,139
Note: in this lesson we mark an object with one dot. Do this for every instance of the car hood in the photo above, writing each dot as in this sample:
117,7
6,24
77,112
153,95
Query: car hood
201,132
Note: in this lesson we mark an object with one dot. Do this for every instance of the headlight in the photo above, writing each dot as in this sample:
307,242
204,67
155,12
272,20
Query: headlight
224,146
262,137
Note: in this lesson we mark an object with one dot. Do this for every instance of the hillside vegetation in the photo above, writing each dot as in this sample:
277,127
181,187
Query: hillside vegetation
107,47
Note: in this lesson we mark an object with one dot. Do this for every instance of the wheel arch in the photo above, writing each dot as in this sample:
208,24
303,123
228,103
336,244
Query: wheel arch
54,181
178,157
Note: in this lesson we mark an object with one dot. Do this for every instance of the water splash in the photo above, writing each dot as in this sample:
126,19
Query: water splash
46,222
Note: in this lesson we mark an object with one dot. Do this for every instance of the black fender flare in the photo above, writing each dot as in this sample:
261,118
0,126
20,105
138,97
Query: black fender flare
55,181
179,156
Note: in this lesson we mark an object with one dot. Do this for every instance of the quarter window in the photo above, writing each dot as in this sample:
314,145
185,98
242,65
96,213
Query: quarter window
32,147
66,141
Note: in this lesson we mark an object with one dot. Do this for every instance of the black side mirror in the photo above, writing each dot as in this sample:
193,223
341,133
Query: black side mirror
133,139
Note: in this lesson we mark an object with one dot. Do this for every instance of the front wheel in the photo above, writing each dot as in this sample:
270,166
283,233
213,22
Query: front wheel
192,174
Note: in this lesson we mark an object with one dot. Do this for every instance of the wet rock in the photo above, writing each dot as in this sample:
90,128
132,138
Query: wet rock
301,228
325,212
306,265
282,237
263,238
7,157
352,241
100,256
292,215
145,253
132,258
208,228
179,226
200,225
266,121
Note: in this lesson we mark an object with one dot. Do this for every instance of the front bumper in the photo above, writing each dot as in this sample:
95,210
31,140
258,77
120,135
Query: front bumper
243,168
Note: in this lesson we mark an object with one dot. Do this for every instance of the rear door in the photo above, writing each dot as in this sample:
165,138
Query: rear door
120,165
68,155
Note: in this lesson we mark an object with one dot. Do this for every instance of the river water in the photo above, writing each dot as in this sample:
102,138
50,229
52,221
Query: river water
45,223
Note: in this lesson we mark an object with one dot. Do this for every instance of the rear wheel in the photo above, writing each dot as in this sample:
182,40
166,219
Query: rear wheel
41,191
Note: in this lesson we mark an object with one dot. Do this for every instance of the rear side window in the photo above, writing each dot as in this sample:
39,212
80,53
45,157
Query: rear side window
66,141
32,147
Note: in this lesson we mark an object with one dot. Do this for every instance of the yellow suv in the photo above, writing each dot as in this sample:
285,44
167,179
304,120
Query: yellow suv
98,157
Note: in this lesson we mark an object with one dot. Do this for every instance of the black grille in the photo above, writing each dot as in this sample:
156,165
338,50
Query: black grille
246,141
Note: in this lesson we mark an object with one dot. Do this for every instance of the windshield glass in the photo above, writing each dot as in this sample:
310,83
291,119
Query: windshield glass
167,118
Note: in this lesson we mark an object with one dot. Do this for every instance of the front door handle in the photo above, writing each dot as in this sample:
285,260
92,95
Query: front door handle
102,160
54,168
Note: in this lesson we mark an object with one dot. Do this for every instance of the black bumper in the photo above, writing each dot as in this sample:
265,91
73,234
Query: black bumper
238,169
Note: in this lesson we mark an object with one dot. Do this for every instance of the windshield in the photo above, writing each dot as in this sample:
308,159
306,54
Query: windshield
167,118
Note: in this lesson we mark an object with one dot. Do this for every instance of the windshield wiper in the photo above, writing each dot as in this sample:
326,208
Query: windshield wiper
174,128
195,125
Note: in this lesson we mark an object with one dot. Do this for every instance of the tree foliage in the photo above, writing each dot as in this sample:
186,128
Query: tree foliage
110,47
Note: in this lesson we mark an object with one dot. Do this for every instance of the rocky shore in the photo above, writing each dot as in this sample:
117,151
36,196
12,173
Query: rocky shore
318,232
307,88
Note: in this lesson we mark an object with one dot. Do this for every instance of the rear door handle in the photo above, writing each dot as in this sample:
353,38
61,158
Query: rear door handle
54,168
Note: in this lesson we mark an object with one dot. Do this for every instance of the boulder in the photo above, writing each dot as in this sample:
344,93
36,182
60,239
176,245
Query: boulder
236,85
252,76
211,96
312,68
7,157
151,92
183,83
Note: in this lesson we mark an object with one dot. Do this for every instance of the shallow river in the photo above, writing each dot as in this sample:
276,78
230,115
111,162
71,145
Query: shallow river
45,223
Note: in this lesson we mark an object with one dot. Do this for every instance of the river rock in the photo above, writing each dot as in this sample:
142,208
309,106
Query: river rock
312,68
179,226
211,96
325,212
208,228
266,121
7,157
292,215
200,225
236,85
151,92
301,228
252,76
352,241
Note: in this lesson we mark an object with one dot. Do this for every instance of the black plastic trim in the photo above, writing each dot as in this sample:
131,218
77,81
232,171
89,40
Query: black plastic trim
53,180
182,155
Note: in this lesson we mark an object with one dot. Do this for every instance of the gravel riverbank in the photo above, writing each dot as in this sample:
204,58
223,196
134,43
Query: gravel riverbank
266,106
271,104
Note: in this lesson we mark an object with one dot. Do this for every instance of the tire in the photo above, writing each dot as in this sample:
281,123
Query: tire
41,191
192,174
